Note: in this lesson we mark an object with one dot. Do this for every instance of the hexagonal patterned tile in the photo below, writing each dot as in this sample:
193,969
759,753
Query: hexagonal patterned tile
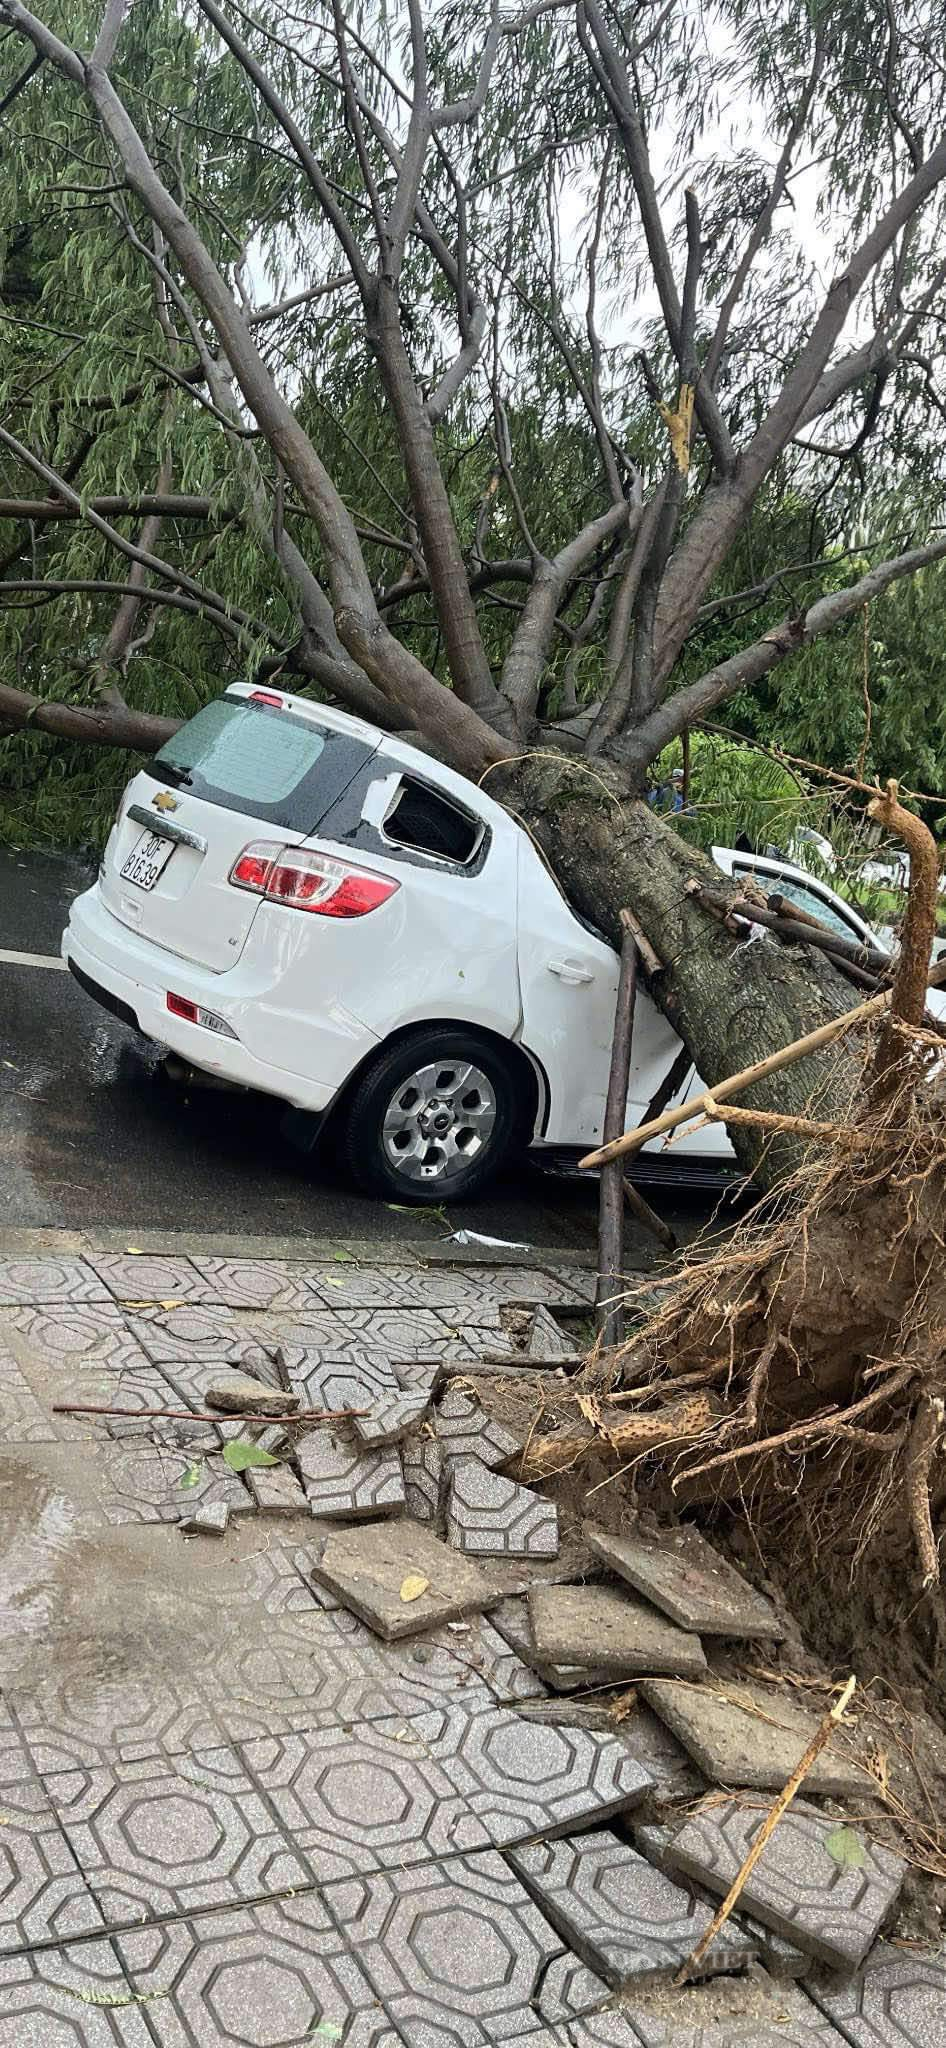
391,1418
345,1285
275,1577
216,1334
145,1277
141,1483
45,1280
384,1333
91,1333
465,1429
362,1798
164,1837
323,1379
273,1285
42,1893
525,1778
625,1918
821,1885
311,1670
22,1419
456,1950
253,1977
424,1467
489,1515
452,1664
88,1721
343,1479
74,1997
898,2001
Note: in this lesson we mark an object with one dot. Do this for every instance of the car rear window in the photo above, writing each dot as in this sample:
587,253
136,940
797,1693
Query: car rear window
262,760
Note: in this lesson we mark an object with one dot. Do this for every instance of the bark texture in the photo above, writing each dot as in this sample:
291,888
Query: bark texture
731,1000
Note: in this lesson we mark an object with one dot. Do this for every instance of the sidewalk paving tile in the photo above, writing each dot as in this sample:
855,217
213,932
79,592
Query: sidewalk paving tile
43,1896
382,1333
511,1618
346,1284
454,1662
489,1515
32,1281
424,1467
312,1670
146,1277
145,1483
391,1418
743,1735
679,1572
362,1798
465,1430
817,1882
609,1628
70,1997
264,1976
456,1950
523,1778
90,1333
343,1479
89,1722
625,1918
209,1332
368,1566
165,1836
337,1378
276,1490
22,1419
898,2001
276,1286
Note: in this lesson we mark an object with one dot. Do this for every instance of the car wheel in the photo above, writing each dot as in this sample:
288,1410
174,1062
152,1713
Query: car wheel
432,1119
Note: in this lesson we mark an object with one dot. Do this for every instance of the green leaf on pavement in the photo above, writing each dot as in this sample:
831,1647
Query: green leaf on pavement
846,1848
193,1475
239,1454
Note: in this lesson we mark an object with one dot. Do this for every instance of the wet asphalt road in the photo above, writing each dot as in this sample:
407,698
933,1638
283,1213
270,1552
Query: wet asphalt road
92,1135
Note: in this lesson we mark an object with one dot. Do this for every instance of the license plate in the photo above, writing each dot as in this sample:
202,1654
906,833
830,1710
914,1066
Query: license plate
147,860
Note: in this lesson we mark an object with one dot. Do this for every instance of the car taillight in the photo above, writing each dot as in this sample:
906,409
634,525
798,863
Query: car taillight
309,881
266,697
194,1013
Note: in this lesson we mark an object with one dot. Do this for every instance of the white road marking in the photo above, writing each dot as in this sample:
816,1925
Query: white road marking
9,959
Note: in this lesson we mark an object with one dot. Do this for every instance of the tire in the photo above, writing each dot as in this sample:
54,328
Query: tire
415,1104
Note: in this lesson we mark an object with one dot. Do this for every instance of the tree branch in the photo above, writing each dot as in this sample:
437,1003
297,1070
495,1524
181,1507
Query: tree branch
695,700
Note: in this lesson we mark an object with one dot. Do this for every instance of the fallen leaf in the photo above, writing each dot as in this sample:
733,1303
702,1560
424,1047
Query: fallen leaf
332,1280
192,1477
345,1258
239,1455
413,1586
134,1251
846,1848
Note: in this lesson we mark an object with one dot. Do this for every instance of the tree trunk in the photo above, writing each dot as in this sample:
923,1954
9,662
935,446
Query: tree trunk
732,1001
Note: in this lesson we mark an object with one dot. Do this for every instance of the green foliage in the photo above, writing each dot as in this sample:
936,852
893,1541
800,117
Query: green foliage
737,793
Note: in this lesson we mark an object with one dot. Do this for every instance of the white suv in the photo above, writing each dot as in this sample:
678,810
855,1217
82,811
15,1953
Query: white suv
293,901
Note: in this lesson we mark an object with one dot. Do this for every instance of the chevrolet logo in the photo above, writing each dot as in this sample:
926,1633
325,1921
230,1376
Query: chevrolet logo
164,801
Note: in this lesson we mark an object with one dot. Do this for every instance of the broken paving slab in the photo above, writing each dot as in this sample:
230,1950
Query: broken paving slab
141,1483
238,1394
491,1516
367,1568
781,1957
276,1490
818,1882
610,1630
679,1572
391,1418
343,1479
465,1430
208,1521
511,1618
628,1921
424,1468
897,2001
748,1737
524,1779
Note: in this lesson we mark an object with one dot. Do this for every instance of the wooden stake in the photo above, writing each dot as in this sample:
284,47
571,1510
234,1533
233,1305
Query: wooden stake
769,1825
609,1301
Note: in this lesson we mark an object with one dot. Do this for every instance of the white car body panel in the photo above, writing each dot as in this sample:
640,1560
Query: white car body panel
487,941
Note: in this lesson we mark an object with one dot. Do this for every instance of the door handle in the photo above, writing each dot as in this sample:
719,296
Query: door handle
570,972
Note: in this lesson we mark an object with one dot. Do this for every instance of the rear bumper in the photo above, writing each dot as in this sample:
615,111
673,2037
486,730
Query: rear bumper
131,977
